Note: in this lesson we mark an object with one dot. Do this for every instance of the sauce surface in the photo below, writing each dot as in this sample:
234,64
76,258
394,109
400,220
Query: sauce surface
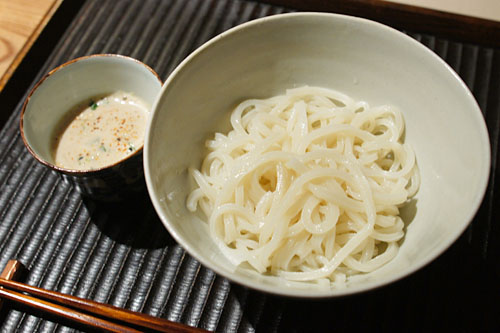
100,132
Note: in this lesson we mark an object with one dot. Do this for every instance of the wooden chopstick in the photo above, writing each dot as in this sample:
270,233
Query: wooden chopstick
104,310
13,270
61,311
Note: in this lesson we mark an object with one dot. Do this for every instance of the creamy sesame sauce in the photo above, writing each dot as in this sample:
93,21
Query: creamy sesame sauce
100,132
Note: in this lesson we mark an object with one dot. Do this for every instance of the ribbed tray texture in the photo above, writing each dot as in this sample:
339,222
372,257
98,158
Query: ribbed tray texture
126,258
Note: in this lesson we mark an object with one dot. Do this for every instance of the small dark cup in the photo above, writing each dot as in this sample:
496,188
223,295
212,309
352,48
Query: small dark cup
71,84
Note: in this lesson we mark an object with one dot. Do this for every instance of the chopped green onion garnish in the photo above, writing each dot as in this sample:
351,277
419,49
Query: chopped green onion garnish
93,105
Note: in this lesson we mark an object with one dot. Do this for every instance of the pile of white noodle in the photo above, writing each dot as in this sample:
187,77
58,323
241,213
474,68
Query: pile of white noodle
307,185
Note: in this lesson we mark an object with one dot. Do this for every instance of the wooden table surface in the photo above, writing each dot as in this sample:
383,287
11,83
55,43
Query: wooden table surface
21,21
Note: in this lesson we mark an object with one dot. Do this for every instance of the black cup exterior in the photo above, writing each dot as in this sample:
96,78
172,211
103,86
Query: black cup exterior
112,184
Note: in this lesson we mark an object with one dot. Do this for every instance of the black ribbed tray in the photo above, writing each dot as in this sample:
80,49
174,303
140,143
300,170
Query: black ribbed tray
122,255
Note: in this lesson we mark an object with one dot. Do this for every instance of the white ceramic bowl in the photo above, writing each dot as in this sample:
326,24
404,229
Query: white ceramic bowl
70,84
361,58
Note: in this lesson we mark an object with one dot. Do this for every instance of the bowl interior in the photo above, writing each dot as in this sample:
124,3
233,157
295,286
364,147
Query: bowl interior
75,82
363,59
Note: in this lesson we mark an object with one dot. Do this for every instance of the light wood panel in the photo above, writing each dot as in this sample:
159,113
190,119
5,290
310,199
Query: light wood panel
21,21
485,9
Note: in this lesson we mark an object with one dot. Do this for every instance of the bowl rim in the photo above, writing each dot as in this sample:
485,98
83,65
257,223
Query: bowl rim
78,172
314,293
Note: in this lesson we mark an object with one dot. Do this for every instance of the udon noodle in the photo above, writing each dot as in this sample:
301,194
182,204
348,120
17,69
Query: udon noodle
307,186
